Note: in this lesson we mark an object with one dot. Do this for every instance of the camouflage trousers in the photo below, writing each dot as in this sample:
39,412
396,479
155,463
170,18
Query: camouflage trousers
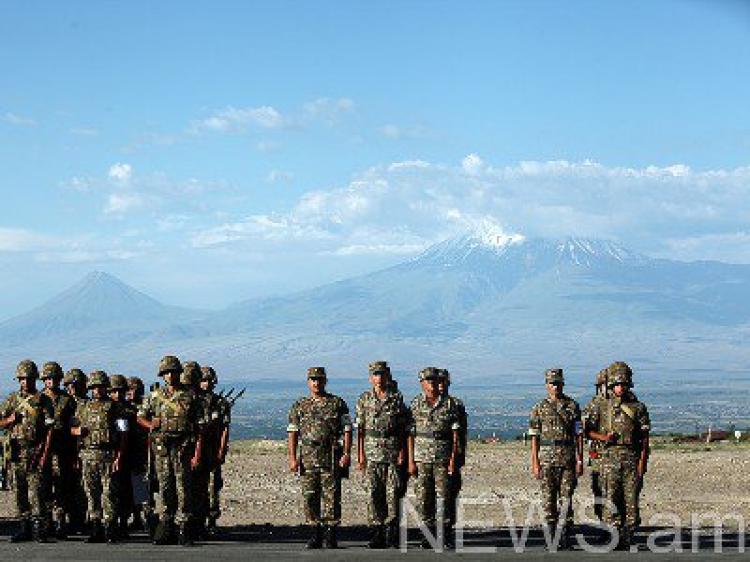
175,481
558,486
321,490
30,487
208,484
383,486
431,485
621,488
100,485
60,493
455,482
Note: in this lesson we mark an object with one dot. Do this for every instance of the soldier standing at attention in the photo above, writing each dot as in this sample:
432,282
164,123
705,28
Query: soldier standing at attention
317,423
63,453
595,447
557,452
138,457
172,414
118,386
102,426
75,385
217,413
381,432
433,437
622,425
454,480
28,415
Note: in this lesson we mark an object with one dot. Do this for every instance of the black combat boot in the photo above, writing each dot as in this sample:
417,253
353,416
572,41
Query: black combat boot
185,537
97,533
61,531
137,524
152,523
24,532
163,533
330,539
377,537
211,529
316,540
392,536
111,532
39,530
448,542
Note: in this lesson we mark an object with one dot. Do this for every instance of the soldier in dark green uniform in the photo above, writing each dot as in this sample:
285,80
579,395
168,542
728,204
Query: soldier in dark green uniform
595,447
138,459
102,426
173,414
433,437
63,454
75,385
381,432
317,423
28,415
118,386
557,453
622,425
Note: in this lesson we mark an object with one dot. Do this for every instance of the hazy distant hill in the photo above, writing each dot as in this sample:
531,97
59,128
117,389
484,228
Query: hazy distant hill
488,307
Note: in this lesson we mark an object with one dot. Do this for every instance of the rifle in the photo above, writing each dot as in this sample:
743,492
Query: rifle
239,395
220,394
228,395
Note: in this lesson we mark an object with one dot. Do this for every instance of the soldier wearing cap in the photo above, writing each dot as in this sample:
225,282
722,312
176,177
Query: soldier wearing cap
381,418
621,423
173,416
28,416
433,437
138,459
454,480
318,423
557,453
63,453
74,383
595,447
217,418
102,426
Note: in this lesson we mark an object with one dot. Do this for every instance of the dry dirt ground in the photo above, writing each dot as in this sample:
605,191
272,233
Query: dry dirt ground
682,480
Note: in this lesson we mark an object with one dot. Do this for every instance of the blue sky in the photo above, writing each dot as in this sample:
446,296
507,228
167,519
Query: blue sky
211,152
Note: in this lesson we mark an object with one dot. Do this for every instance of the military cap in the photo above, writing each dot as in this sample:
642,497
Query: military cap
191,373
379,368
169,364
98,378
118,382
209,374
316,373
445,375
74,376
553,375
135,383
52,370
27,369
428,373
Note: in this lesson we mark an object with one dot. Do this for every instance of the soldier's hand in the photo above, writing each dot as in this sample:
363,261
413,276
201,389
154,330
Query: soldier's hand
579,468
293,466
401,457
536,470
345,460
116,464
42,462
13,419
195,462
362,466
641,469
451,466
413,468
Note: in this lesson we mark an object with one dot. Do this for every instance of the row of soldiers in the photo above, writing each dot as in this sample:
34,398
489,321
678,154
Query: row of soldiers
102,451
616,425
425,441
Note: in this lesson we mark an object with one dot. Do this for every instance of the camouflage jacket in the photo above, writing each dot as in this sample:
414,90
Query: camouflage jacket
34,414
626,417
320,423
64,407
556,423
432,428
596,402
216,417
179,411
383,423
104,424
463,421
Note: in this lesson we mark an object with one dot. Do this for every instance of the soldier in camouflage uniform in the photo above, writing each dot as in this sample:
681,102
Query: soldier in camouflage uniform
75,385
102,426
317,423
28,416
138,453
557,452
433,437
381,418
118,386
217,414
595,447
173,415
64,453
622,425
454,480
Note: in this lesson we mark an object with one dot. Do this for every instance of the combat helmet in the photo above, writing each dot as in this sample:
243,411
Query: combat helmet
209,374
429,373
379,368
601,378
118,382
135,383
97,378
74,376
554,376
169,364
191,373
620,373
27,369
52,370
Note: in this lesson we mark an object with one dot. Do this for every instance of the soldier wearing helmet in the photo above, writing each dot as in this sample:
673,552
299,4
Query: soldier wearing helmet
209,481
595,447
173,415
557,455
621,423
64,452
75,383
28,416
138,460
102,425
118,388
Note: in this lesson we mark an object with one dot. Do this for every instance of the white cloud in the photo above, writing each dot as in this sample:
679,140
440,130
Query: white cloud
78,183
234,119
22,240
329,110
279,176
396,132
18,120
472,164
120,172
120,203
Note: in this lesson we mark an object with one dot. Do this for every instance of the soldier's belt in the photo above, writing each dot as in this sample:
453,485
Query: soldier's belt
556,442
440,435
